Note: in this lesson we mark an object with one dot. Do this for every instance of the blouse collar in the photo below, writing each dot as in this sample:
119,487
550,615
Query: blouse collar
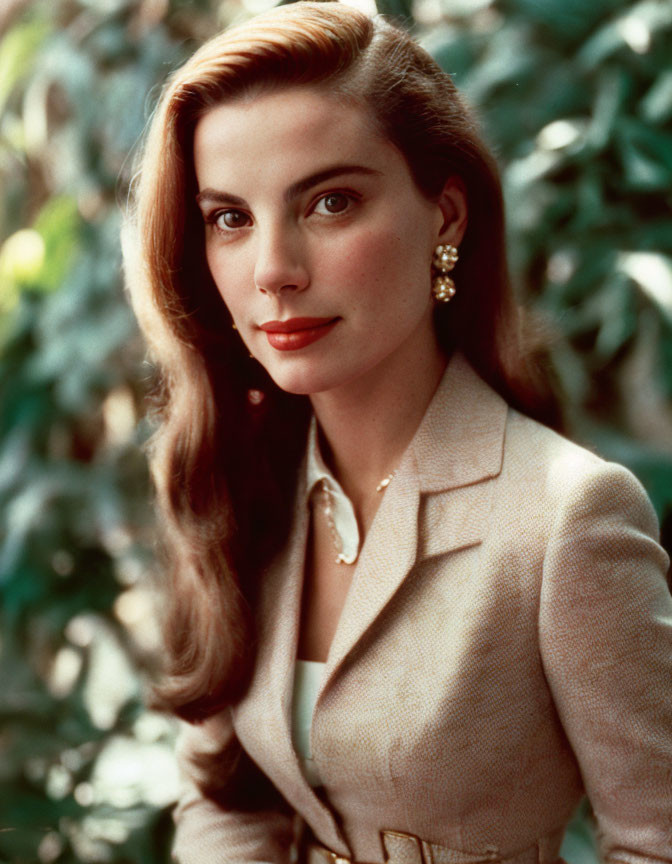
325,491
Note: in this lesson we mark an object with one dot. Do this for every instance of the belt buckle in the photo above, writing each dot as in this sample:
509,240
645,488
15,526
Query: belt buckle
401,846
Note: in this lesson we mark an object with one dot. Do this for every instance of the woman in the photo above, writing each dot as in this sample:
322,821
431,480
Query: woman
354,491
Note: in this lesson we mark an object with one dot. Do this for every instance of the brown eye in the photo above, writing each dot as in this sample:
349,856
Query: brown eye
227,219
334,202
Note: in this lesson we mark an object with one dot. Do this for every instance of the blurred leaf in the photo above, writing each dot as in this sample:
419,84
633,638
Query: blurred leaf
401,10
454,54
631,31
618,318
18,52
613,87
646,154
509,57
656,106
58,225
569,20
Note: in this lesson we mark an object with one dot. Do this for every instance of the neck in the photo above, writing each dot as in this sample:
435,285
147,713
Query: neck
367,424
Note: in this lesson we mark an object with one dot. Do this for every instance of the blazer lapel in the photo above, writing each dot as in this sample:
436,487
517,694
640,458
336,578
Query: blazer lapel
459,446
436,503
263,719
386,558
278,620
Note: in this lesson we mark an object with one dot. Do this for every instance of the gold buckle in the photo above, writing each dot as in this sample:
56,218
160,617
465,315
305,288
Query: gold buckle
389,838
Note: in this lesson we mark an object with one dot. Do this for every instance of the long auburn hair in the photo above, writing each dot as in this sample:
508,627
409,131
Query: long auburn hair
224,483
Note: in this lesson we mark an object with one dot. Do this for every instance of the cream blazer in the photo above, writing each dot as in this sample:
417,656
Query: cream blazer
505,646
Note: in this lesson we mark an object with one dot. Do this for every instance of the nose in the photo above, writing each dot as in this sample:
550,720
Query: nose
280,264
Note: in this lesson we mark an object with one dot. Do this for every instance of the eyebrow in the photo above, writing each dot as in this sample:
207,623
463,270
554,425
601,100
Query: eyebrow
302,186
219,198
292,191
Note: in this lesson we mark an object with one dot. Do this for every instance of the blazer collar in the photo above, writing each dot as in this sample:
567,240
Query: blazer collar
460,440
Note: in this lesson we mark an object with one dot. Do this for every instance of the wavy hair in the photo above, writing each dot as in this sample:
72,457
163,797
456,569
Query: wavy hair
224,483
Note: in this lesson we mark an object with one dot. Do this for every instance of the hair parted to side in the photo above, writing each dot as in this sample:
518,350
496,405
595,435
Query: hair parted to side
224,483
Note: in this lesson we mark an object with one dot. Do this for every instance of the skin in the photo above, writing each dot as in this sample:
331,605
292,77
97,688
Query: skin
310,213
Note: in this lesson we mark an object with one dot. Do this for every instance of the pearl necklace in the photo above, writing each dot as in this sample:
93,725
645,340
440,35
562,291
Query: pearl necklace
328,510
385,482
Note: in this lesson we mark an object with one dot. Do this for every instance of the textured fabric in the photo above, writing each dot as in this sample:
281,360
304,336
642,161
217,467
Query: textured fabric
505,645
342,514
307,680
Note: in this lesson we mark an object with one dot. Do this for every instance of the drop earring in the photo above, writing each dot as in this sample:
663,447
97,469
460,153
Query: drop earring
444,259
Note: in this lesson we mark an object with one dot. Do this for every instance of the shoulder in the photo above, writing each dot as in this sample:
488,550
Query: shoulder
536,478
568,478
534,453
558,508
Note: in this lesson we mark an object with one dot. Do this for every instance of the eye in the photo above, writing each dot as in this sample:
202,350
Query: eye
228,220
333,203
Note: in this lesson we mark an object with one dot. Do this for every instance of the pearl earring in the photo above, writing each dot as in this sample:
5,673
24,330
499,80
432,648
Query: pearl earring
444,259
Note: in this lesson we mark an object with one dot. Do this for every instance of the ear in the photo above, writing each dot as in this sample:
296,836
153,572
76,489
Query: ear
453,205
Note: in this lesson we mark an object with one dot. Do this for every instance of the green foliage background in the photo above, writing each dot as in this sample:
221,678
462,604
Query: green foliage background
575,97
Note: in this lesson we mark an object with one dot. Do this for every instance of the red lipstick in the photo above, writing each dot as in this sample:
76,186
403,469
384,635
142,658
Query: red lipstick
296,332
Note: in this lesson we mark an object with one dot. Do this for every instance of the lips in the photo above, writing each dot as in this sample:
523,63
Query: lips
297,333
294,324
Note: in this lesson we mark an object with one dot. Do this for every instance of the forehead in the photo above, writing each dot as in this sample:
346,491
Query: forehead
283,134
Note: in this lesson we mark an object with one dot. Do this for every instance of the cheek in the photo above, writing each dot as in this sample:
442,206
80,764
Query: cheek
228,275
389,263
363,258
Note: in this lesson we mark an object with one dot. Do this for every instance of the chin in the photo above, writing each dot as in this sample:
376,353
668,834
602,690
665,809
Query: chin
305,382
299,386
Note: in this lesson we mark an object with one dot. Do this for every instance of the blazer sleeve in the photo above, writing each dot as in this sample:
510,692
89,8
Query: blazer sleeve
605,629
236,819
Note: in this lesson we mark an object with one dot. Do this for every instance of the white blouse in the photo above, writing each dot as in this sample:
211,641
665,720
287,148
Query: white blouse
322,482
308,673
307,679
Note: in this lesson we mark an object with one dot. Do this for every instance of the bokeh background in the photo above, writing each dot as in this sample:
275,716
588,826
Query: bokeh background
576,99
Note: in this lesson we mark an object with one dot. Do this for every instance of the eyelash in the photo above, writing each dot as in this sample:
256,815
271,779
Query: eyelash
350,197
212,218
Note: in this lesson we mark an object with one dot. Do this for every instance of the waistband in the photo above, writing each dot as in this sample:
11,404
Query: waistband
401,848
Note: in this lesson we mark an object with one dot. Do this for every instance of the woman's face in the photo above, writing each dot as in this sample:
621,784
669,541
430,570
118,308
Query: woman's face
318,239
